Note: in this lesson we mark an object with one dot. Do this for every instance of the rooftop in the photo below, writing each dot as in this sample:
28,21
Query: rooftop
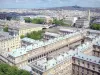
23,51
5,35
31,40
67,30
88,58
97,43
24,26
48,64
44,64
19,25
52,34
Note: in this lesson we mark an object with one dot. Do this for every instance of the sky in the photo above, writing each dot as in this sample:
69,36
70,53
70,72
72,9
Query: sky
47,3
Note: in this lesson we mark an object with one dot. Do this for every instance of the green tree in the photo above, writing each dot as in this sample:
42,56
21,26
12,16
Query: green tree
22,36
6,69
5,29
95,26
27,20
37,35
38,21
35,20
59,22
9,18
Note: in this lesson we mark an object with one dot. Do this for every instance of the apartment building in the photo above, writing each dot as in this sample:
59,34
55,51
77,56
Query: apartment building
64,62
35,53
82,23
85,65
27,54
96,49
61,64
20,28
24,28
9,42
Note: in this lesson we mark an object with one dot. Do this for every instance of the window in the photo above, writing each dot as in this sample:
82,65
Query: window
73,67
83,62
93,67
73,59
99,67
87,72
92,73
82,69
88,65
79,62
78,68
82,73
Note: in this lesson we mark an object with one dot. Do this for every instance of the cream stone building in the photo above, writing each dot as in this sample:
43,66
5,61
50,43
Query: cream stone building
9,42
25,28
20,28
24,55
36,55
61,64
96,47
85,65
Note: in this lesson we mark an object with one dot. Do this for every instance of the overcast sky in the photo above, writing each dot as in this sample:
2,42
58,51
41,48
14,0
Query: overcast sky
47,3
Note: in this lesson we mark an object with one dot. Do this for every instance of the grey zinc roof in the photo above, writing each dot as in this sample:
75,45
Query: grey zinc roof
5,36
68,55
22,51
88,58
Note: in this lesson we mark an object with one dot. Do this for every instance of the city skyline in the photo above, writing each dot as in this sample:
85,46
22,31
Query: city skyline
47,3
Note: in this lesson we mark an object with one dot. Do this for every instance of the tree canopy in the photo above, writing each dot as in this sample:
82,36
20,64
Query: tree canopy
59,22
5,29
36,35
9,18
95,26
22,36
27,20
35,20
6,69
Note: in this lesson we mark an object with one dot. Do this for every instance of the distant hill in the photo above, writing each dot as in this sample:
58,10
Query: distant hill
76,8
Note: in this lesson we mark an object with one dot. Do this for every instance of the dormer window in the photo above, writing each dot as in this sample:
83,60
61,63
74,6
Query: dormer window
83,62
88,65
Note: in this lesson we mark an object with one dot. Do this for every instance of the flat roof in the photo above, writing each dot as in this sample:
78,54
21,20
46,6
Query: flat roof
52,34
67,30
94,31
19,25
24,26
